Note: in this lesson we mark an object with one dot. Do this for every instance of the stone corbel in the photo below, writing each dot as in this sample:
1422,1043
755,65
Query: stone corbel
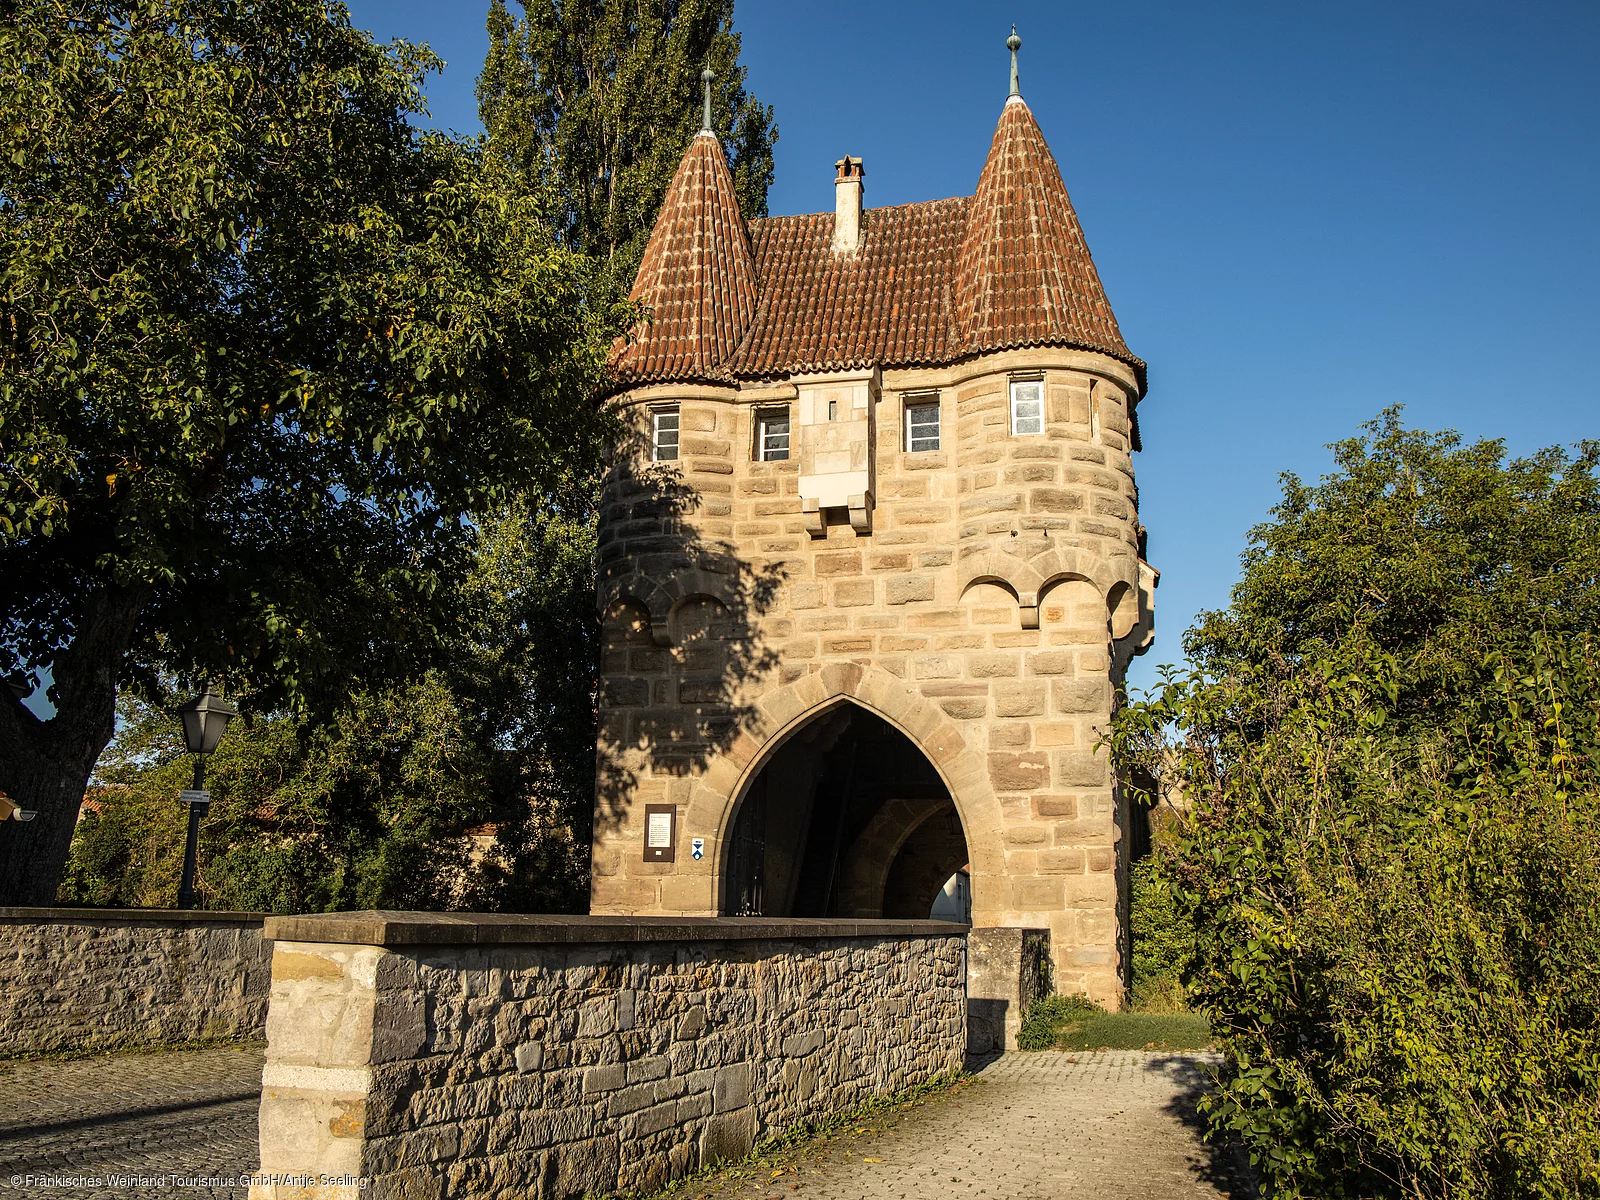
861,513
1028,606
811,510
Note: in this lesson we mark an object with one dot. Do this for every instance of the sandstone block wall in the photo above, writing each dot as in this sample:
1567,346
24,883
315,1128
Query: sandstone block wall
440,1056
91,979
987,610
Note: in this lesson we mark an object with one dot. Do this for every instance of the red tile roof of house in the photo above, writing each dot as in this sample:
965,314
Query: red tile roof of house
933,283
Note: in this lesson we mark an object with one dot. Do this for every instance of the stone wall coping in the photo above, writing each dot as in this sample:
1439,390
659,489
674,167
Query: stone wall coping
119,916
475,929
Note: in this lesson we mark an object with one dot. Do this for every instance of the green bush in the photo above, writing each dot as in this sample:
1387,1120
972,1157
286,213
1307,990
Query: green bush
1391,858
1163,938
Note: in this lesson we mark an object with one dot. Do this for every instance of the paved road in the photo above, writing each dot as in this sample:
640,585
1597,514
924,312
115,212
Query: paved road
1112,1125
185,1114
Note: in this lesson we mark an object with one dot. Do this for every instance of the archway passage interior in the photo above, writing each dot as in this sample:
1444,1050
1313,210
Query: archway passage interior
847,819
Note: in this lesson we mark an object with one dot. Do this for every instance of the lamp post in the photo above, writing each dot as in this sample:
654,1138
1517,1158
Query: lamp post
205,718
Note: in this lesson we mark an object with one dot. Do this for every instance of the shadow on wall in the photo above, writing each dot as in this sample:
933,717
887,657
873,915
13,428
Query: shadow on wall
847,817
680,614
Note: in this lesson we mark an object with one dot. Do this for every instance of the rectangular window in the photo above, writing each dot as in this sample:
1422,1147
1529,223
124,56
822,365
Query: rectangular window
1027,406
922,425
664,434
772,434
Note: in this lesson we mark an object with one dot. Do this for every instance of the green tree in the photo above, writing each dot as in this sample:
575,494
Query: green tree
600,98
471,787
264,349
1391,859
1426,548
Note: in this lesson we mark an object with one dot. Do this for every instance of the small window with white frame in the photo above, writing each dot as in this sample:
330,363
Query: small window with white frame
772,434
1027,406
664,434
922,423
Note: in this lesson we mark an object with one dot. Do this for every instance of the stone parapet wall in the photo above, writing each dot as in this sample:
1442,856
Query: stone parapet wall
101,979
436,1055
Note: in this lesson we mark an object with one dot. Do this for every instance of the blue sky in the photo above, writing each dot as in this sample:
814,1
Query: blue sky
1302,213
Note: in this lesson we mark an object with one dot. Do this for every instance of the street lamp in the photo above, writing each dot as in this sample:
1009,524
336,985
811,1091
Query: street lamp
205,718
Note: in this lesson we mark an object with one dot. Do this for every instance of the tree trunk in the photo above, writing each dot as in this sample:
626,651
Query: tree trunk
45,765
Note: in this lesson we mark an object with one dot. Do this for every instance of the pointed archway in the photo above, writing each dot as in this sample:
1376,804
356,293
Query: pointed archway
847,818
714,797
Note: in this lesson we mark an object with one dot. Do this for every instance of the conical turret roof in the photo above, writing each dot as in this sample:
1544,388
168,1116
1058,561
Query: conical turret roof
1024,276
698,277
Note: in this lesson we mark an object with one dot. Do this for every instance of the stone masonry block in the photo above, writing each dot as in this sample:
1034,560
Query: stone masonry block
1056,806
837,564
992,666
731,1088
1038,895
808,595
1054,735
530,1056
1061,862
970,709
1081,696
1019,699
605,1079
908,588
1050,662
1025,772
1011,735
936,666
728,1136
1054,500
854,593
800,1044
1079,770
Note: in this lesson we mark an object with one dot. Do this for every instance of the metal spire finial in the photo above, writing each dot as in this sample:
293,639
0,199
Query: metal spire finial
1013,44
706,77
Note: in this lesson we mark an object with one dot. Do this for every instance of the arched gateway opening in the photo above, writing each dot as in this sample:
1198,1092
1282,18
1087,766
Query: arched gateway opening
847,819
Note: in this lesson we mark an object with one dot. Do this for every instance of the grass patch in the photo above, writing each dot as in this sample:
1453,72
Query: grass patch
1077,1023
779,1156
1136,1031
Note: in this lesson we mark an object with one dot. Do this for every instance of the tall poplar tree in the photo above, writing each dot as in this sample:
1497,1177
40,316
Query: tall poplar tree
601,97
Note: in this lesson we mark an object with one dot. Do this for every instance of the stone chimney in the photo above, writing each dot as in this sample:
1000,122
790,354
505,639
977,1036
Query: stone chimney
848,185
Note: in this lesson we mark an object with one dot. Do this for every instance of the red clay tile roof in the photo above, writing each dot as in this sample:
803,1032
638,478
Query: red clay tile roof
933,283
1024,277
889,303
697,277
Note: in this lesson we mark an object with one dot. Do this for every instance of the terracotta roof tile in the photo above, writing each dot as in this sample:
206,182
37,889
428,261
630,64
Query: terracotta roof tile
1024,276
932,283
697,278
889,303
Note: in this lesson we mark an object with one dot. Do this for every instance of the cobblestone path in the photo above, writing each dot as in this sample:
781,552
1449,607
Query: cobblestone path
189,1114
1107,1125
1111,1125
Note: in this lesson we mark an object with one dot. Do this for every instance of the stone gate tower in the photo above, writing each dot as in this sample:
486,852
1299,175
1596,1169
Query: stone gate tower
872,570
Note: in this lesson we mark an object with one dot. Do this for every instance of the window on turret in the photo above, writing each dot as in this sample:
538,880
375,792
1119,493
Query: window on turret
922,423
1027,406
664,434
772,434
